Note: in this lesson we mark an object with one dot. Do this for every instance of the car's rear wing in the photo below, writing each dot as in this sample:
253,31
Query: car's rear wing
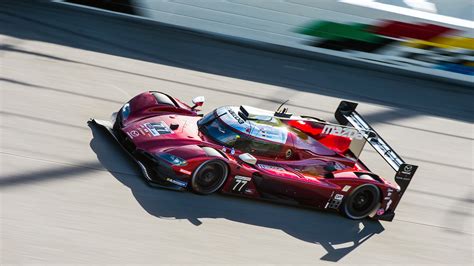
346,114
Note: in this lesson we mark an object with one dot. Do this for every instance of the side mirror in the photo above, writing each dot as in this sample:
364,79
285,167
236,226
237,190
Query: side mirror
248,158
198,101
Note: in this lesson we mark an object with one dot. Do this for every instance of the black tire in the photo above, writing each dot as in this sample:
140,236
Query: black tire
209,177
361,202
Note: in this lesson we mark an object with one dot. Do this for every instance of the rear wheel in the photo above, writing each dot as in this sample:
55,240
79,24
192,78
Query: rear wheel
361,202
209,177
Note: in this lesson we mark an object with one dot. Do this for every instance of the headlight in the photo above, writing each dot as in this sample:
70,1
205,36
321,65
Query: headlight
175,160
125,111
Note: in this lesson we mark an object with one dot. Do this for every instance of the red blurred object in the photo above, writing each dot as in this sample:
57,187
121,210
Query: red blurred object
422,31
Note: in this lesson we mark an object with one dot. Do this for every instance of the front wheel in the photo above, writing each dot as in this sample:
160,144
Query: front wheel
209,177
361,202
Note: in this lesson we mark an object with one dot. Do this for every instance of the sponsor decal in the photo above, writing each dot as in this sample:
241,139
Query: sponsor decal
335,202
388,204
152,130
143,132
177,182
403,178
235,116
407,169
351,133
133,134
245,178
329,200
346,188
249,191
272,133
380,211
398,43
186,172
270,167
157,128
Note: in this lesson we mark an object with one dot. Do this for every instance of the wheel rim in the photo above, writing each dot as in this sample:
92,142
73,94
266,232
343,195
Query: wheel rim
362,202
209,177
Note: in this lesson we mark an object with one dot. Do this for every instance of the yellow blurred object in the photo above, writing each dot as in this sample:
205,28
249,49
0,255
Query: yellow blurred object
469,64
444,42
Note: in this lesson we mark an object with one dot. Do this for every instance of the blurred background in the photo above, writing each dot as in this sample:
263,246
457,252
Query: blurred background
68,194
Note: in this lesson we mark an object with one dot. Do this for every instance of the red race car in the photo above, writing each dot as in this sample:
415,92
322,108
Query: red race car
260,154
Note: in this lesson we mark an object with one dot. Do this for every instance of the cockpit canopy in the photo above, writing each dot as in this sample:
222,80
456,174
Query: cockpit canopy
227,126
260,132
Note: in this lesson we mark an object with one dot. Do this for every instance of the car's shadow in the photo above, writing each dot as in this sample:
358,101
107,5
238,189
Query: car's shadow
326,229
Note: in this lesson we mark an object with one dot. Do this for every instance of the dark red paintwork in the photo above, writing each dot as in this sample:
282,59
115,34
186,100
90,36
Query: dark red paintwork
301,179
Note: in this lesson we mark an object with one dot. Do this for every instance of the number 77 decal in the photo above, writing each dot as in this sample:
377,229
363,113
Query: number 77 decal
239,183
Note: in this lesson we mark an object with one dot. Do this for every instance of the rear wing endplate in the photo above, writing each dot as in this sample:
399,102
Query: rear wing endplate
346,114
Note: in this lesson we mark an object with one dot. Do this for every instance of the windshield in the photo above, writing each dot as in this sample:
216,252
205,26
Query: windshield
213,127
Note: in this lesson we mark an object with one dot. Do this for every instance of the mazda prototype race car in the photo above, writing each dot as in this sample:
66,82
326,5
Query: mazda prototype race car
260,154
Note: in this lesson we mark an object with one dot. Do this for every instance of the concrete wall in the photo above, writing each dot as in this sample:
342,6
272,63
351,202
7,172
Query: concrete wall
375,34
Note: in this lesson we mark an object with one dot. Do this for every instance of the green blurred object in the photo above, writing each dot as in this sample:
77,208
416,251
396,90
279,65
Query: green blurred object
338,31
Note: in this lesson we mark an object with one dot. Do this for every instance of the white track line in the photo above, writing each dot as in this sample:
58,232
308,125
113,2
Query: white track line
411,12
103,10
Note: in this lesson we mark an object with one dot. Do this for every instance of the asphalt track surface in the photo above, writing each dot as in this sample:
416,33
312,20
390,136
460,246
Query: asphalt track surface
69,195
